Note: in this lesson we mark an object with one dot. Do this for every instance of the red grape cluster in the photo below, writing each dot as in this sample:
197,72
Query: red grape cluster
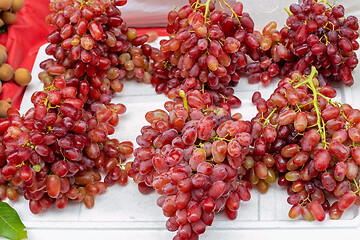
57,150
206,51
193,158
312,142
54,152
92,39
318,34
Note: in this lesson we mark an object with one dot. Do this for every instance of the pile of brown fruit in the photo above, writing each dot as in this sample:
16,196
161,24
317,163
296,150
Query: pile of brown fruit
8,15
21,76
8,10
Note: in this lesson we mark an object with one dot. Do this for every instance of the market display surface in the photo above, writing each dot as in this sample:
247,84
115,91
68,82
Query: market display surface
193,149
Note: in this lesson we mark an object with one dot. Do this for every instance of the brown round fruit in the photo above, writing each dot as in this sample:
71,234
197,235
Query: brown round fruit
4,106
6,72
22,76
5,4
1,22
3,56
2,47
8,17
17,5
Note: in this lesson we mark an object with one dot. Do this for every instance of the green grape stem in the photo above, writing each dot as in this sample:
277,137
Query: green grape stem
266,120
183,96
307,199
288,11
233,12
320,122
195,5
357,187
207,8
223,139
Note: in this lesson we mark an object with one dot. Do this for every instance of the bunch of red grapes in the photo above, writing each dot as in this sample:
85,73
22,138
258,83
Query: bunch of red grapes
193,158
91,39
58,150
318,34
206,51
312,143
54,152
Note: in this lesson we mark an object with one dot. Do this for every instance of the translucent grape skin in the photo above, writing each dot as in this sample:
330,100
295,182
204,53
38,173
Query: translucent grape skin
317,211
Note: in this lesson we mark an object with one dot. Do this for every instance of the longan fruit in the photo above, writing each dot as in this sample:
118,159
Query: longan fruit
1,22
17,5
2,47
6,72
5,4
3,56
22,76
4,106
8,17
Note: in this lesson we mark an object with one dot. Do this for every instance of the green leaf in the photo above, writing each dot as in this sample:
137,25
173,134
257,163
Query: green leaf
11,226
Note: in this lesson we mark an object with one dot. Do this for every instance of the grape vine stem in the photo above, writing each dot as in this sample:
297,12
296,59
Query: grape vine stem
207,8
288,11
232,10
266,120
183,96
310,84
357,187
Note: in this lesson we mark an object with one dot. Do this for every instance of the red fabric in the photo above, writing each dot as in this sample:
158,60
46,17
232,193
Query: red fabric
161,31
25,37
23,41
